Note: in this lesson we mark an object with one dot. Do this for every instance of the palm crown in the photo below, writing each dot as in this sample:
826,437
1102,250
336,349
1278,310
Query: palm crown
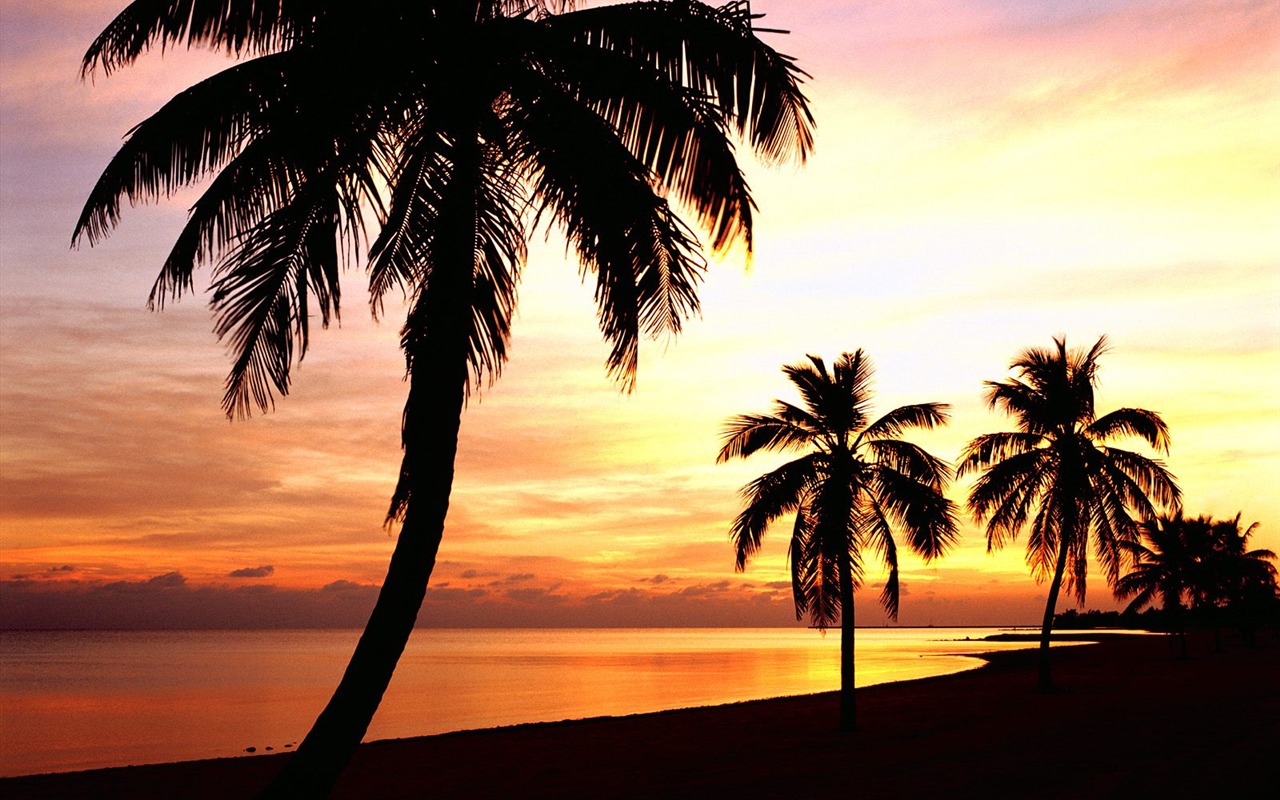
855,486
452,127
1056,471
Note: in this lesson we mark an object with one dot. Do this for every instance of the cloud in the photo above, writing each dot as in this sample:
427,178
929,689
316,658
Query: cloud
252,572
344,586
169,601
167,581
509,580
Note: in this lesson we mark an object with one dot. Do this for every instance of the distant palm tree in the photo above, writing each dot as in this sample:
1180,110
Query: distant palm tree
856,483
452,127
1169,565
1238,579
1056,474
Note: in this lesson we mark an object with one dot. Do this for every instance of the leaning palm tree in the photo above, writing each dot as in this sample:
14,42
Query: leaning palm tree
855,484
437,135
1056,473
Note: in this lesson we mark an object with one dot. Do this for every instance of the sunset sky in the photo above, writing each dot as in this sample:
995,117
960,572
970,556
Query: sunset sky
988,174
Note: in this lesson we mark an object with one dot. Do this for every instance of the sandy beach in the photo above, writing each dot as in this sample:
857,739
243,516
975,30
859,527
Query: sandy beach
1129,719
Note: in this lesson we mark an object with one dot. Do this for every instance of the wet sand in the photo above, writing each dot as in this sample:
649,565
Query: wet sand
1129,719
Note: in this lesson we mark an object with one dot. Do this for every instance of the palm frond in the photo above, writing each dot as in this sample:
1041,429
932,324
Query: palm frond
925,416
399,254
500,257
813,382
832,509
261,297
646,261
1077,572
875,529
911,460
257,182
1146,482
797,416
772,495
1112,525
815,575
1044,538
1011,476
1013,500
991,448
801,530
713,51
747,434
676,132
236,26
922,512
192,135
1146,425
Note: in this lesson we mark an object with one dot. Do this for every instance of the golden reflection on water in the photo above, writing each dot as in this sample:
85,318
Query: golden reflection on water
76,700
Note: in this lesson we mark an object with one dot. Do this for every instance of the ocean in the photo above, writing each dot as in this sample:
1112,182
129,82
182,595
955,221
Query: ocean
73,700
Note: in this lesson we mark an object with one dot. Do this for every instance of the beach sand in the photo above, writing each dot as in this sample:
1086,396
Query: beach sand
1129,719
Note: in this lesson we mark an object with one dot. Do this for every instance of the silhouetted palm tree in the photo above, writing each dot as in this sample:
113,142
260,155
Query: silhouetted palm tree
1238,580
856,483
1056,474
1169,565
451,127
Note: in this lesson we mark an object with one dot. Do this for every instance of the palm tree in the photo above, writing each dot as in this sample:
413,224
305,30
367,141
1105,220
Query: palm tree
855,484
1057,474
452,128
1236,578
1168,564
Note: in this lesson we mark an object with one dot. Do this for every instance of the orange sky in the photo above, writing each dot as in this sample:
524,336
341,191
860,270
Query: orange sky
988,175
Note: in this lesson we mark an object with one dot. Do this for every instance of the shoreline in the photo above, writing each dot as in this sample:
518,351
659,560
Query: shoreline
1127,717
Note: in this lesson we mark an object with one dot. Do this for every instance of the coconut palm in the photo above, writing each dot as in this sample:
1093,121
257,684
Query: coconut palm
1168,565
856,483
1237,579
1057,474
439,134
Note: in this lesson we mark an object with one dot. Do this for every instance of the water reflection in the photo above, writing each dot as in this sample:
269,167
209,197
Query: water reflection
76,700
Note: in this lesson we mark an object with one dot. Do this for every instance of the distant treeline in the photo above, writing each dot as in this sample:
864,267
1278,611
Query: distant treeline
1245,620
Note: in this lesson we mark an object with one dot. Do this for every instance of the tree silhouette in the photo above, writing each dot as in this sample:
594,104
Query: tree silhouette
855,484
1208,565
1169,563
452,128
1056,473
1237,580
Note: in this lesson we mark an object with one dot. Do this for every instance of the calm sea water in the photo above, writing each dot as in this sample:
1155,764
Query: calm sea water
79,700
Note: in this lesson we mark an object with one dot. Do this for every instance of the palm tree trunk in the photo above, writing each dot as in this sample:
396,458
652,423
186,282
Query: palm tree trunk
314,767
1046,683
436,342
848,703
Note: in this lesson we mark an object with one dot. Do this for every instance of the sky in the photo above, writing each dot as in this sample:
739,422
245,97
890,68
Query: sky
988,175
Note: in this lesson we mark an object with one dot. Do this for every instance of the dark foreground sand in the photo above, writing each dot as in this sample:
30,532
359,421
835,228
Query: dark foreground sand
1129,720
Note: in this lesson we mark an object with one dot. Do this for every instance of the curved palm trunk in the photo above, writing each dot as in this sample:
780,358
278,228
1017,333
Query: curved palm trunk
432,418
848,703
1046,683
314,767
